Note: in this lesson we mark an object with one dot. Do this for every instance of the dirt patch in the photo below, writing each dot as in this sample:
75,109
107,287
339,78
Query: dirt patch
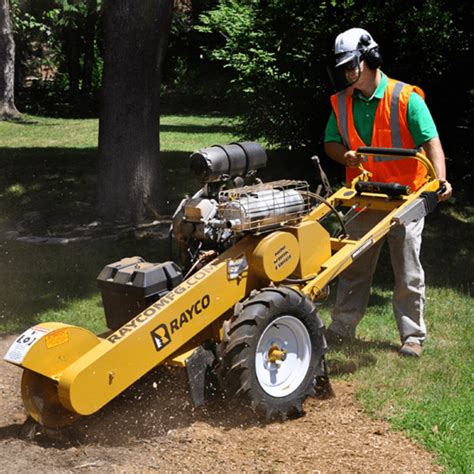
154,426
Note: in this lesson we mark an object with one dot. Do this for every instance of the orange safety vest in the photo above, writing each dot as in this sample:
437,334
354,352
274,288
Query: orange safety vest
390,131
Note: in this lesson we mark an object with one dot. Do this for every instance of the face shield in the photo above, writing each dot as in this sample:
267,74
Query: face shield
346,71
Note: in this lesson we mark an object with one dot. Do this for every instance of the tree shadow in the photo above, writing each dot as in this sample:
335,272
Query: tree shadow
50,181
57,186
23,120
48,192
446,253
191,128
39,278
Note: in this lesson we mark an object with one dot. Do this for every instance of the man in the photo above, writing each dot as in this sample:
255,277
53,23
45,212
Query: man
372,110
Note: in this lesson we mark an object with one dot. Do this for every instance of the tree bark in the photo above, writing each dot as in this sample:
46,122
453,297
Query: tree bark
7,64
89,40
72,50
136,35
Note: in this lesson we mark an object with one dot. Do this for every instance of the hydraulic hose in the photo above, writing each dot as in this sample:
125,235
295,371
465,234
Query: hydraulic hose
333,209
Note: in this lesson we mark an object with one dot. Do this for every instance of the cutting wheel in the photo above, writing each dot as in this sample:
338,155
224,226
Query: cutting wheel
40,397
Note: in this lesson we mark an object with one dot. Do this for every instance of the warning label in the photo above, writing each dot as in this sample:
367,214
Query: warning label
24,343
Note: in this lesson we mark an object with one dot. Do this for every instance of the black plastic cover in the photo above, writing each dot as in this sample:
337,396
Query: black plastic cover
130,285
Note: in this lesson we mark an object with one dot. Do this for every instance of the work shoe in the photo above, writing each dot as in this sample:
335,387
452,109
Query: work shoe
411,349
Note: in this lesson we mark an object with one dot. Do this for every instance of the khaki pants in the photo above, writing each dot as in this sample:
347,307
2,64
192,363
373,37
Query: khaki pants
353,287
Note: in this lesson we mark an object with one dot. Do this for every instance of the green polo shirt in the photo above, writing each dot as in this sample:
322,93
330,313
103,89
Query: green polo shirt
420,121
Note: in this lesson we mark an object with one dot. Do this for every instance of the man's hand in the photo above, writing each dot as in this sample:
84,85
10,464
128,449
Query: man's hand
351,159
448,190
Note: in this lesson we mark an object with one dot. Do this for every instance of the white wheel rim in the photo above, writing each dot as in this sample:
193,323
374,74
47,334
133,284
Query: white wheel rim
282,377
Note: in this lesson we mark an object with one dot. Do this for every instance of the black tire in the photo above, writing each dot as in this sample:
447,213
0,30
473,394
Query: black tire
238,352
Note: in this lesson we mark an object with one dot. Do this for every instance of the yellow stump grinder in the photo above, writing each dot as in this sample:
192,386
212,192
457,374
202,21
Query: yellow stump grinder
257,258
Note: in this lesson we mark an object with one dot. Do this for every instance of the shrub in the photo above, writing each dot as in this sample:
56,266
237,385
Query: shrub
278,51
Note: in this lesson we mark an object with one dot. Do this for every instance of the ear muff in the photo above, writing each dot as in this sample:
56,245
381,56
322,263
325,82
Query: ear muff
371,56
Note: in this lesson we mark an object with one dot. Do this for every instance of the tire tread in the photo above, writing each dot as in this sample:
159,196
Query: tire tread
236,356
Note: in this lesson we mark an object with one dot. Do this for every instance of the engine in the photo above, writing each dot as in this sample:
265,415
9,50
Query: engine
233,201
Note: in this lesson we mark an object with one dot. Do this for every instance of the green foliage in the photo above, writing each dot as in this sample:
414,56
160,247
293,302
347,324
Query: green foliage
278,50
180,54
58,62
276,57
24,22
32,36
70,13
190,80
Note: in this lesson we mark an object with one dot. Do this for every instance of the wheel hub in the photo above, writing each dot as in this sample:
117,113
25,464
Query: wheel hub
283,356
276,354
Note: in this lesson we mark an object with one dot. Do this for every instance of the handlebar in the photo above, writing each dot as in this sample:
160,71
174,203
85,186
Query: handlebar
416,154
372,150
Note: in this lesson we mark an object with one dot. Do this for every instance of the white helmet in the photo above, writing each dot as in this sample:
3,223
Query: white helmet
350,48
351,43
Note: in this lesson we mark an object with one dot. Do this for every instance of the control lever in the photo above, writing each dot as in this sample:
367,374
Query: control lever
324,181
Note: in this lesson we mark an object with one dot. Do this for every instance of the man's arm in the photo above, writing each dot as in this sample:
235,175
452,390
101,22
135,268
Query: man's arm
340,154
333,146
424,132
434,152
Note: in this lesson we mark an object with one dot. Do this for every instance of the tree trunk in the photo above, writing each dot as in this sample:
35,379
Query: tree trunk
128,176
72,50
7,64
89,40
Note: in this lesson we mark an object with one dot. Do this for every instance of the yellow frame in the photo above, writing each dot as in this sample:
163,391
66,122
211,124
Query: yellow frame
89,371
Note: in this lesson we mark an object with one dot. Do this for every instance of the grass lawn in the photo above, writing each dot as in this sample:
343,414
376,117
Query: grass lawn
48,170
